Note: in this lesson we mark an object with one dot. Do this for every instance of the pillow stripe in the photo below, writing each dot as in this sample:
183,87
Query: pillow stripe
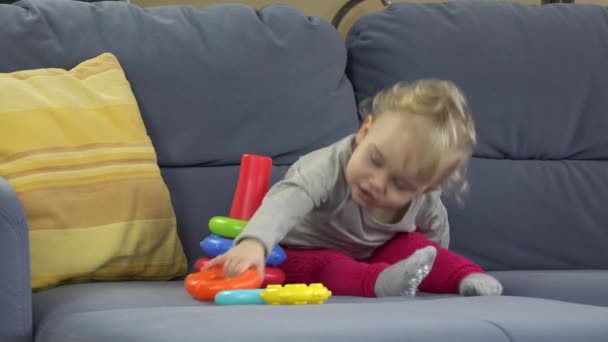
70,127
75,166
87,205
151,245
73,149
81,176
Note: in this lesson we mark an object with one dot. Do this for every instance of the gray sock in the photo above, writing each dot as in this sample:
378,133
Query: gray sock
403,278
479,284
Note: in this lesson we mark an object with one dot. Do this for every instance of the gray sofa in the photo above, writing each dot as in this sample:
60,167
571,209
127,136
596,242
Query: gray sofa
217,82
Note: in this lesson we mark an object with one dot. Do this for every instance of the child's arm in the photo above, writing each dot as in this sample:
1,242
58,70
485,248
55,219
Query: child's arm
432,219
305,186
285,203
309,183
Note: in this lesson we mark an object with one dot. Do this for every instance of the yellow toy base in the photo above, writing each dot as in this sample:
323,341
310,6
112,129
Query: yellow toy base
295,294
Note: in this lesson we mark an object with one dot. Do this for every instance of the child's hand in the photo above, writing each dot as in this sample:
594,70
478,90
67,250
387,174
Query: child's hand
248,253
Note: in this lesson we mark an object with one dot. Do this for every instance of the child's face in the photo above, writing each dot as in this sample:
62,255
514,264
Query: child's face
381,171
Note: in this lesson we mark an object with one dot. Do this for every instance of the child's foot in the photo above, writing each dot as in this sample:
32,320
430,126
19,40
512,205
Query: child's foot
479,284
404,277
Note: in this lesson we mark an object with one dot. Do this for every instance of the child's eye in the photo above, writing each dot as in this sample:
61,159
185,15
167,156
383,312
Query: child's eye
400,186
375,160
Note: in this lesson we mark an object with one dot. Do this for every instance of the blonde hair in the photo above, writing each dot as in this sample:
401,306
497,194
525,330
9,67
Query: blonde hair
450,126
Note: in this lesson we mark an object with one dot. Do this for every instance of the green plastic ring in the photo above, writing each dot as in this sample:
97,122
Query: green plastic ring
226,227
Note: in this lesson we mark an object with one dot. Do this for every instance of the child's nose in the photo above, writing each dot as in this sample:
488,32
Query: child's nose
378,183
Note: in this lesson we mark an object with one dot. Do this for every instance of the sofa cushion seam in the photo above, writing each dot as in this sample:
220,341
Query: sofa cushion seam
497,326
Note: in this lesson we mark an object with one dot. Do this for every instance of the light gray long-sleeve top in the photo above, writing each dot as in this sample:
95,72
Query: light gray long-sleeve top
311,207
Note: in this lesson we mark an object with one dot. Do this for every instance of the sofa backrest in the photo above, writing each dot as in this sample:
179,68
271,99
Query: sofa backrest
211,84
536,78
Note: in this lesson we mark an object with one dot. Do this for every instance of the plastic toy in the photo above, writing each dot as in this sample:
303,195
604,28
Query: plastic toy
239,297
199,263
272,275
214,245
254,179
252,185
205,285
226,226
293,294
297,294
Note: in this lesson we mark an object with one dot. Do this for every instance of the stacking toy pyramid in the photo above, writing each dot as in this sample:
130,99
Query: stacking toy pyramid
252,186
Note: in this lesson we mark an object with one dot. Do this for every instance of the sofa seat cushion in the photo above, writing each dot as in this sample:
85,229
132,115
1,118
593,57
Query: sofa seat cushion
81,298
162,311
577,286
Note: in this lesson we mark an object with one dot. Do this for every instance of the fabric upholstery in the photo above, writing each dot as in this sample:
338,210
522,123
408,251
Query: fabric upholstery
85,171
209,104
577,286
15,296
203,103
538,179
161,311
217,82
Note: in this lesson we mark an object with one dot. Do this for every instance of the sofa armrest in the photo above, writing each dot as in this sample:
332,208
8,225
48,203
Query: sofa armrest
15,288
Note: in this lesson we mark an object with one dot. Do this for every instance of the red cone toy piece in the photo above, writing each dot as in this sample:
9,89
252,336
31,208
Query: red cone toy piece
253,183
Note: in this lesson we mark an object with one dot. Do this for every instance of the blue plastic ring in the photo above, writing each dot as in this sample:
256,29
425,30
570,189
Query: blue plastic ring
239,297
214,245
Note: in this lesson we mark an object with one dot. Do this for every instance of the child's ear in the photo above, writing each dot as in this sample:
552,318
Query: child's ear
364,129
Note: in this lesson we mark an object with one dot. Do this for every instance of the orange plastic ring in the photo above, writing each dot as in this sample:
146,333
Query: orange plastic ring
206,284
272,275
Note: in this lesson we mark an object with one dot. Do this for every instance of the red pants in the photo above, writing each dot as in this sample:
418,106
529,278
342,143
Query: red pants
345,276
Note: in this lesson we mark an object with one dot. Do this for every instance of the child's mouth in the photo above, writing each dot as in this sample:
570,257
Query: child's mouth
366,196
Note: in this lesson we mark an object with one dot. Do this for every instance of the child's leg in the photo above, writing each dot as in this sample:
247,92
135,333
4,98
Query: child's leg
448,269
341,274
344,276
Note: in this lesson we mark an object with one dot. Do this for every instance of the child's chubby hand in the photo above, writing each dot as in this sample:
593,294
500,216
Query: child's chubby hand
247,253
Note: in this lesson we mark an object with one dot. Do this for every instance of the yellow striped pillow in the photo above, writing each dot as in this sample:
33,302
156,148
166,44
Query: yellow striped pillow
75,149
